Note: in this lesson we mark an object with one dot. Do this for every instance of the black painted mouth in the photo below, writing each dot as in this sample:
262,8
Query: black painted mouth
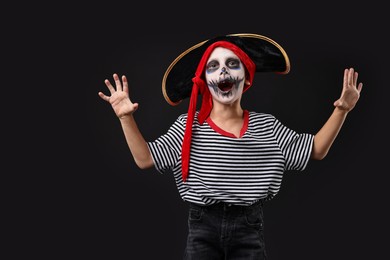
226,85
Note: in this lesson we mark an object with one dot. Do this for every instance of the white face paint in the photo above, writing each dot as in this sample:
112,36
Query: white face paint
225,75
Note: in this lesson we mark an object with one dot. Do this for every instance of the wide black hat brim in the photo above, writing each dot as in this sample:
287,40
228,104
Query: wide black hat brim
267,55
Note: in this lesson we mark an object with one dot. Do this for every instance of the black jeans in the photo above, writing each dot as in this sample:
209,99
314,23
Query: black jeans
224,231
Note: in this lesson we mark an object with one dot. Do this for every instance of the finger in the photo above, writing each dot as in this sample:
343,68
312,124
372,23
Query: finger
125,84
118,83
109,86
104,97
350,76
345,82
355,77
360,87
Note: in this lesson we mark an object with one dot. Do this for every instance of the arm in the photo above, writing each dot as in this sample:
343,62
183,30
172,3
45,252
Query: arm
124,109
350,94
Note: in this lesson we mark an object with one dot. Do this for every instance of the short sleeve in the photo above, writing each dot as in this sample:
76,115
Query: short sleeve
166,149
296,147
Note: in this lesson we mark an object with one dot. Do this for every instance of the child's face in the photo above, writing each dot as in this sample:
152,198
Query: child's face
225,75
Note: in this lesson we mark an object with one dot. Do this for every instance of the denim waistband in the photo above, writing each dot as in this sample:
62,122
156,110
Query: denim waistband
227,206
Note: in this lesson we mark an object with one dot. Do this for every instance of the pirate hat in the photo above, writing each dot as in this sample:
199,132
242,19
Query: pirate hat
267,55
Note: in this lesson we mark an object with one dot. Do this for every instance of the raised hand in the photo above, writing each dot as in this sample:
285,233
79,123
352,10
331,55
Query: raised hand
119,99
351,91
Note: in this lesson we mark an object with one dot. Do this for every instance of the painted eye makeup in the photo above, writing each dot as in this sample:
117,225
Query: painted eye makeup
233,63
212,66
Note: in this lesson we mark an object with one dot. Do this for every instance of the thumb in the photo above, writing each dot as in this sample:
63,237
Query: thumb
337,103
135,106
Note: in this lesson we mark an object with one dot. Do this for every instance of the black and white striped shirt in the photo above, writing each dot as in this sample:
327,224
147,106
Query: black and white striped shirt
224,168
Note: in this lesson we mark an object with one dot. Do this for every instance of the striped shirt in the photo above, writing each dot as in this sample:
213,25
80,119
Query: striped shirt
236,170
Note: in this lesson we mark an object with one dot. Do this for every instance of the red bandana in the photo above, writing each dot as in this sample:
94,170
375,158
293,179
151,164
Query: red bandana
200,86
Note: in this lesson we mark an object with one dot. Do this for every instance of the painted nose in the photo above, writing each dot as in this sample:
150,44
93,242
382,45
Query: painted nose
224,71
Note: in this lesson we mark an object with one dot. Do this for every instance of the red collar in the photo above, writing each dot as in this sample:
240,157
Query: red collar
228,134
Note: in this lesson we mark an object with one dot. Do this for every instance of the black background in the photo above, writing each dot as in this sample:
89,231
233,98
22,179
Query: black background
75,191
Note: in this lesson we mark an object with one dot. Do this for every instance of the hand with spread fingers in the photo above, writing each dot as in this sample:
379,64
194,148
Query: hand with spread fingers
119,99
351,91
